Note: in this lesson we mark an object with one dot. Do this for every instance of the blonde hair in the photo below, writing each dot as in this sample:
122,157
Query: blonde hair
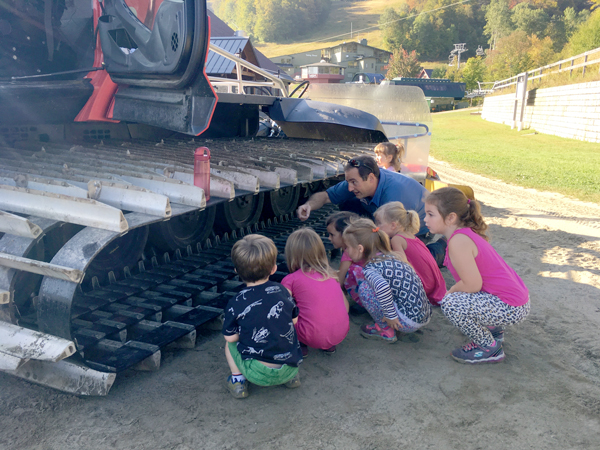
396,151
394,212
374,241
254,257
304,250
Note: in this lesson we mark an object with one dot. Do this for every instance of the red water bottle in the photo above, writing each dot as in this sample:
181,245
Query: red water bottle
202,170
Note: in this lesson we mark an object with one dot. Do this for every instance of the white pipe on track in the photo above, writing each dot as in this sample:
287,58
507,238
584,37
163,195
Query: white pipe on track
81,211
66,376
24,343
18,226
40,267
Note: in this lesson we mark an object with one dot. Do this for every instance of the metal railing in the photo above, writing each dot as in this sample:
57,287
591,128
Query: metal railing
481,91
409,124
240,84
589,58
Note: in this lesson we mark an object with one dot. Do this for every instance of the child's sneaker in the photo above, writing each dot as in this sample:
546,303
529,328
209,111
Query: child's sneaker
238,389
357,310
374,331
497,333
330,350
476,354
294,382
304,349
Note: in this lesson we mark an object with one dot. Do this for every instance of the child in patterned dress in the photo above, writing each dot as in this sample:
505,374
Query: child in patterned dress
401,225
392,292
488,294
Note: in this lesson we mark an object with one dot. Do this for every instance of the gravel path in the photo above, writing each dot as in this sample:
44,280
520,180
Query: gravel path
370,395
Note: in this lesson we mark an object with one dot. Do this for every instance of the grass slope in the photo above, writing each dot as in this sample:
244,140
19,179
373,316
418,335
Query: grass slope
361,14
540,161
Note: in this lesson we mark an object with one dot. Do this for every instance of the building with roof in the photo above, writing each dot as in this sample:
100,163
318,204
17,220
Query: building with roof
354,57
322,72
425,73
235,42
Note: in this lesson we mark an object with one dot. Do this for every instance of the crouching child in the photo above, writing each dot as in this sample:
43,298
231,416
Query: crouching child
262,347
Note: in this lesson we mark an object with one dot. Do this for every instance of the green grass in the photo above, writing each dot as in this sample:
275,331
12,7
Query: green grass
538,161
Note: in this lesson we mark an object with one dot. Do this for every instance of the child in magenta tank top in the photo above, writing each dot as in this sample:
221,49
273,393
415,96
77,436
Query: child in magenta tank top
401,225
323,310
488,294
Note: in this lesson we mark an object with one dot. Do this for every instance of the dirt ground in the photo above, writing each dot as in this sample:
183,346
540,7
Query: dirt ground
371,395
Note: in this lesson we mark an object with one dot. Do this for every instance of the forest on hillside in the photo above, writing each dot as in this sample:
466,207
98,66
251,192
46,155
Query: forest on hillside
273,20
513,35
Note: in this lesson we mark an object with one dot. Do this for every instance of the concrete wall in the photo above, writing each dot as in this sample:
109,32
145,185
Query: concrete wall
571,111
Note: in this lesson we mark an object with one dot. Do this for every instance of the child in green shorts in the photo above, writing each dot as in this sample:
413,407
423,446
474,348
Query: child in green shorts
262,346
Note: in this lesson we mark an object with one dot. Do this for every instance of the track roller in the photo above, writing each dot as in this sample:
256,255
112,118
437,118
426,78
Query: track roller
184,230
240,212
281,202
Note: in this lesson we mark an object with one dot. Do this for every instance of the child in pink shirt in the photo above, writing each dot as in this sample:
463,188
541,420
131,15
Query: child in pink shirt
323,310
401,225
488,294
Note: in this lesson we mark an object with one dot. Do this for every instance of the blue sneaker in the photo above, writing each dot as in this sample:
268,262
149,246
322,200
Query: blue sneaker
476,354
239,389
497,333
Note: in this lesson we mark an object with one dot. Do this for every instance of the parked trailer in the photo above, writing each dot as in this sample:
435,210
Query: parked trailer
440,93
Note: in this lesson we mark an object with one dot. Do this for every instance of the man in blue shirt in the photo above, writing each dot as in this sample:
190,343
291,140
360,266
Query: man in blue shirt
373,188
370,188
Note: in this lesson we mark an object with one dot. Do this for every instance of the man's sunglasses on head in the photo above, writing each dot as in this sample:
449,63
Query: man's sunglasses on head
356,163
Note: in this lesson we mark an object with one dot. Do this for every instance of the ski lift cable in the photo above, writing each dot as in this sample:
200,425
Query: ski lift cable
392,21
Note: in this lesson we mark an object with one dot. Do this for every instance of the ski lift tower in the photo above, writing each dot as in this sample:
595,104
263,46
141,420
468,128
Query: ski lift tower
458,49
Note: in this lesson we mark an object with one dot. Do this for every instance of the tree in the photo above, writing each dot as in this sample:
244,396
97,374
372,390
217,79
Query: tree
403,64
510,57
530,20
430,38
439,72
396,26
498,21
541,51
274,20
432,32
473,71
573,20
453,74
587,36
